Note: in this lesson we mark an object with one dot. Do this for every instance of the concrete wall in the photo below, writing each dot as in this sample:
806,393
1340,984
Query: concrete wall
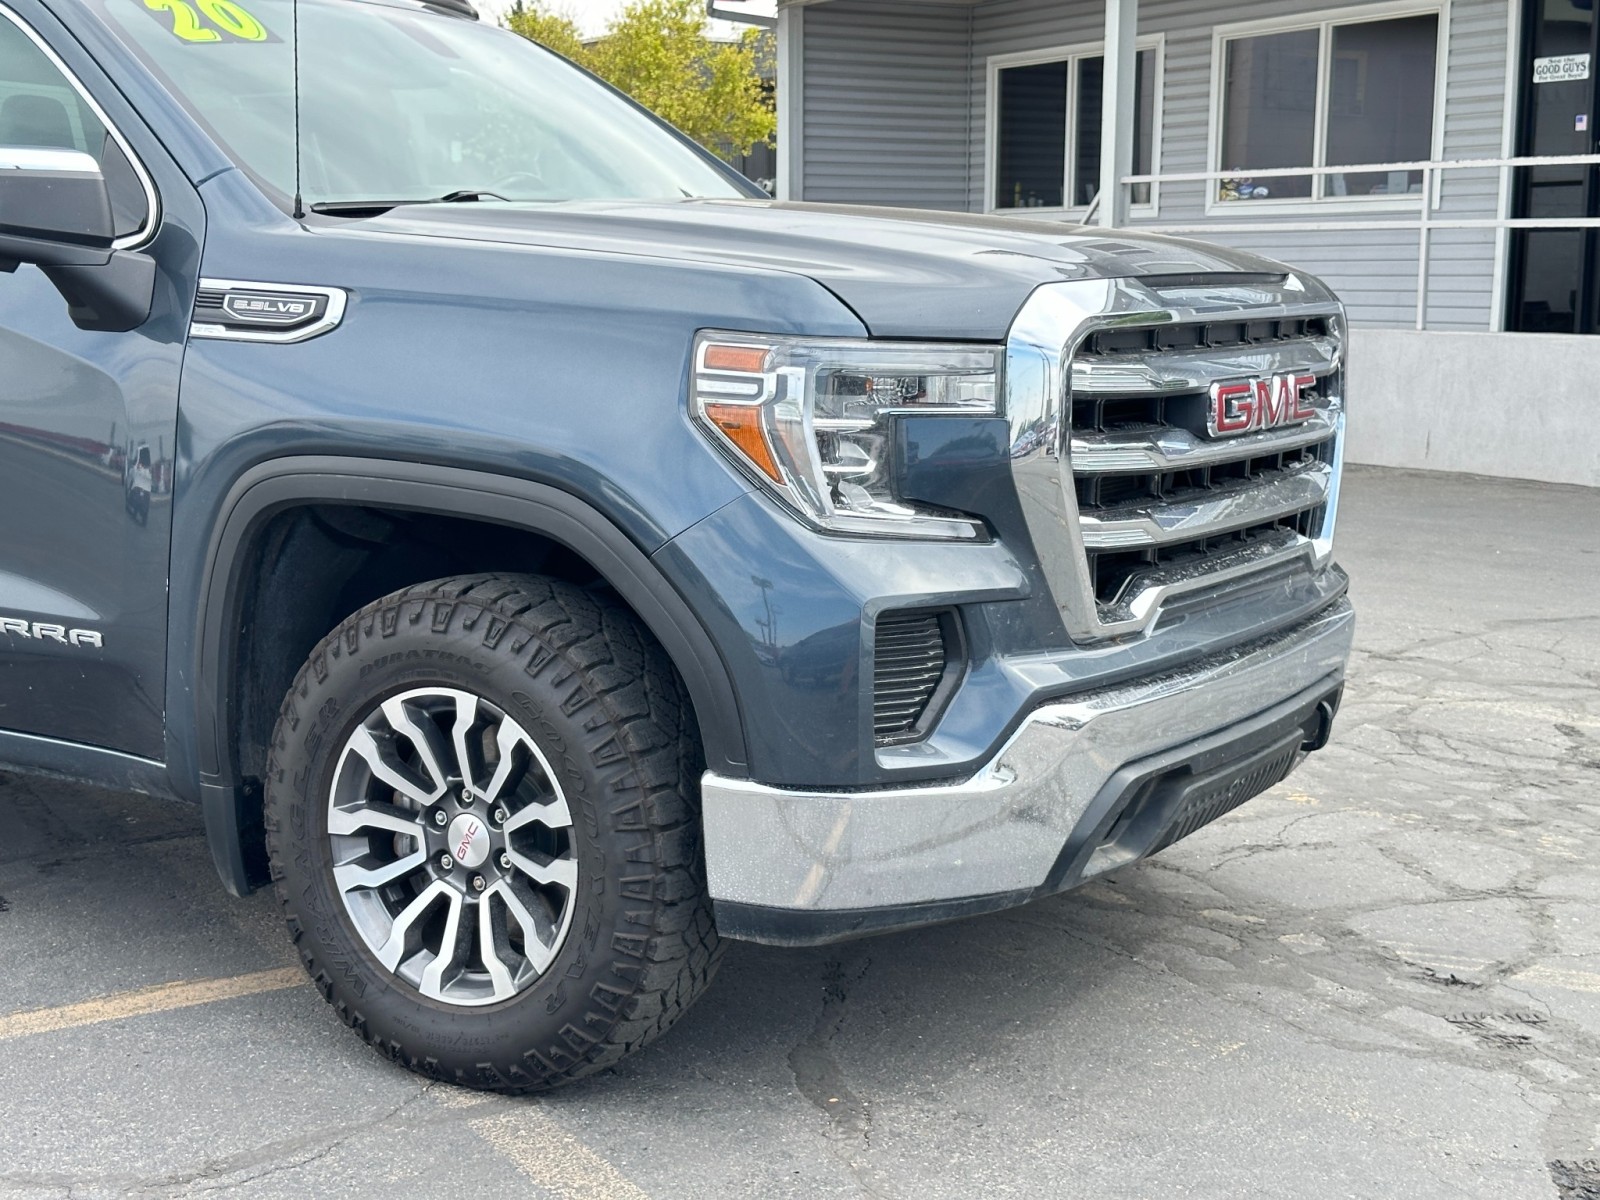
1517,405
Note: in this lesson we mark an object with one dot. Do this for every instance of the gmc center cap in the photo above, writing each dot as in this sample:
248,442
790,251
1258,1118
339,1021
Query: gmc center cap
469,841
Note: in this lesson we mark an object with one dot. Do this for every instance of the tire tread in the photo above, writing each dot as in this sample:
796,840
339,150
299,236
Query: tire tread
633,687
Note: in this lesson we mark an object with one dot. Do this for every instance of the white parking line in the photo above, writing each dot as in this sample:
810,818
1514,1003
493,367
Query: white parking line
553,1158
528,1137
1573,981
162,998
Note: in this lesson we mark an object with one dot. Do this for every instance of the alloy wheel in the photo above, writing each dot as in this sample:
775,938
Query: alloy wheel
452,846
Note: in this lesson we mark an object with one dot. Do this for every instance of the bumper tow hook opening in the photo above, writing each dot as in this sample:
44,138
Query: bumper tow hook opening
1327,708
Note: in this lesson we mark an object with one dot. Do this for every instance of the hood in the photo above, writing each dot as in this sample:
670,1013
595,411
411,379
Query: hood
904,272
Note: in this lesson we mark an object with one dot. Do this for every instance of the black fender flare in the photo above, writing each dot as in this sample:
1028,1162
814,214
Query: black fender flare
271,487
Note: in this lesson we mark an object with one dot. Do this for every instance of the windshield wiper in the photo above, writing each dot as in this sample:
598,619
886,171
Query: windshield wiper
349,207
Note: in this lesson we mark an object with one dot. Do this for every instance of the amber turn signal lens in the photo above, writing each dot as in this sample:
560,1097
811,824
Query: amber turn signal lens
749,359
741,425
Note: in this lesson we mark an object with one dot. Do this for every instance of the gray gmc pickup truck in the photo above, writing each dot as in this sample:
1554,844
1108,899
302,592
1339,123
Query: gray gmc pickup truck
541,556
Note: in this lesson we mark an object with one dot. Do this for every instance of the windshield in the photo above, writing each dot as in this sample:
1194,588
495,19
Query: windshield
400,104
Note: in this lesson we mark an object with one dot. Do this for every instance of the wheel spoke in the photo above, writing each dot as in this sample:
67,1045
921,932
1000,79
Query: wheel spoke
489,946
466,718
450,948
552,813
353,875
536,944
343,822
392,774
393,951
561,871
425,739
506,741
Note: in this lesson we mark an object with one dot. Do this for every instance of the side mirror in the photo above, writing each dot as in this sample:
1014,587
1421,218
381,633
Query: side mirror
54,208
55,212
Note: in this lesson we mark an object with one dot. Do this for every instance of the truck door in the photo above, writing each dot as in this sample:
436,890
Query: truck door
87,425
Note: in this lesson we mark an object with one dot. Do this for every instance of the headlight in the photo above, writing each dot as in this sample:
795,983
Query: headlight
811,420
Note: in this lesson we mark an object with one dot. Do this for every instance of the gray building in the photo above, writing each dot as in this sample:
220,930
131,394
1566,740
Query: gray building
1384,146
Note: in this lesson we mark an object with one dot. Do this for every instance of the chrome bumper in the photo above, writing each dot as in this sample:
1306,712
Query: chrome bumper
994,839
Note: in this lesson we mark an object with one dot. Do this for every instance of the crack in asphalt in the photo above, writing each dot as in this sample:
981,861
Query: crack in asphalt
226,1173
816,1072
818,1077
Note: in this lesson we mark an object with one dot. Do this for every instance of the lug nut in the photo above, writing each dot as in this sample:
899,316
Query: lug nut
501,816
439,816
477,883
446,862
505,861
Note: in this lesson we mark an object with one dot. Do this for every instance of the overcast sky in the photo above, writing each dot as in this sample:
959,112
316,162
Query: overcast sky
592,15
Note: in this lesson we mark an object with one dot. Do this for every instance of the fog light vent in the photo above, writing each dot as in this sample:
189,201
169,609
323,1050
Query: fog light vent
910,659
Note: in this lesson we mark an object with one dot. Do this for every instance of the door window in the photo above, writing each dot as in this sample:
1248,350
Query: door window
40,108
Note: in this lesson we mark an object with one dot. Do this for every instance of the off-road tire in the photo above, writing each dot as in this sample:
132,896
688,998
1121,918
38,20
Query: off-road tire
580,674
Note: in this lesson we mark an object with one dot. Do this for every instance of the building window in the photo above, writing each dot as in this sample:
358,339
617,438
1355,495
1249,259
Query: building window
1033,136
1046,128
1341,92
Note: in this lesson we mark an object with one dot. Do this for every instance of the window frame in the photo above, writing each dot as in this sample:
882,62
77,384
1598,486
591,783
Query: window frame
1324,22
1072,55
146,232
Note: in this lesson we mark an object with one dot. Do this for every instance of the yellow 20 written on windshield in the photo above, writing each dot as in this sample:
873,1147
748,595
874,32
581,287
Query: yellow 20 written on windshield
211,21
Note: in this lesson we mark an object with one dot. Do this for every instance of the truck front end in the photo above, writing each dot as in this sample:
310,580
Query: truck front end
1007,617
588,558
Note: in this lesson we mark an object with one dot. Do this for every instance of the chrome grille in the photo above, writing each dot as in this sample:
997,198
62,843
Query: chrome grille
1133,506
1161,502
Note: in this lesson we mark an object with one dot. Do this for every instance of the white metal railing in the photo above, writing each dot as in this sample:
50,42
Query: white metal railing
1428,201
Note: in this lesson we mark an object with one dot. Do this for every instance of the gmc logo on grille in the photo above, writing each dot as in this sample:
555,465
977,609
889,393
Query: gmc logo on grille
1251,404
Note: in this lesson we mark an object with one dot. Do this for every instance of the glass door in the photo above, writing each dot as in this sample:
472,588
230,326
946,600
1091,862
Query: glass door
1555,275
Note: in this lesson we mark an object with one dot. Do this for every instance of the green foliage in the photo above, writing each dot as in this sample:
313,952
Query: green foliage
554,30
658,53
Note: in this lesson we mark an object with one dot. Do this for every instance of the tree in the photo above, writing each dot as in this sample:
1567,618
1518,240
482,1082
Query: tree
657,52
554,30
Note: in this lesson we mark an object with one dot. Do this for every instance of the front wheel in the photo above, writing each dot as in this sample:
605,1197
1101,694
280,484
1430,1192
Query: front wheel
481,818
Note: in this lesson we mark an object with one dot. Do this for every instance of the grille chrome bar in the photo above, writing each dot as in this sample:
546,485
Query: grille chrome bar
1171,449
1177,371
1254,502
1148,591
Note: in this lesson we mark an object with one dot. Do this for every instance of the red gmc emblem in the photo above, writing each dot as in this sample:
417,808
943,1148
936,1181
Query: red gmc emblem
468,836
1251,404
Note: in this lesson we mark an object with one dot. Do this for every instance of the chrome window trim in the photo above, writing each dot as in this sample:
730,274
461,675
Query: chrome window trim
337,299
1041,346
146,232
47,158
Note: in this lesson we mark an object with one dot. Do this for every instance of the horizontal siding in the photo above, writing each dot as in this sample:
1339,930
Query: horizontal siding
885,104
1377,280
1374,271
897,120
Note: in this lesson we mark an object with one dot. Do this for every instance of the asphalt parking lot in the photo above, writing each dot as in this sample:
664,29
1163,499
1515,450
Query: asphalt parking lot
1380,980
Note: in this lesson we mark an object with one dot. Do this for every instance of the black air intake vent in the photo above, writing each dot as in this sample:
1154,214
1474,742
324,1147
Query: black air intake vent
910,660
